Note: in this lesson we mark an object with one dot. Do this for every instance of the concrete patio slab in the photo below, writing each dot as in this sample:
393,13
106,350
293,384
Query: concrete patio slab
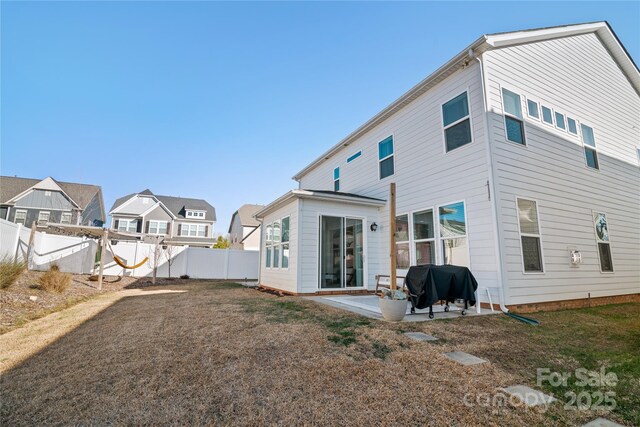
529,396
602,422
465,359
420,336
368,306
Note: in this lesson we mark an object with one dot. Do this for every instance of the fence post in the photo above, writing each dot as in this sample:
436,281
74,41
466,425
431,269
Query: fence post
226,264
17,244
186,260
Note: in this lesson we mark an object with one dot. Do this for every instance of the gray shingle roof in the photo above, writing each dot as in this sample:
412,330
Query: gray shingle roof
176,205
82,194
246,213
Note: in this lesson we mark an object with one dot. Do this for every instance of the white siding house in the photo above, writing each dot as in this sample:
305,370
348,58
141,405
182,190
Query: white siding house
486,177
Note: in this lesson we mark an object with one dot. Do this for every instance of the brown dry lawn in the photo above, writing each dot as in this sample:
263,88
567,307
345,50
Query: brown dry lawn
209,353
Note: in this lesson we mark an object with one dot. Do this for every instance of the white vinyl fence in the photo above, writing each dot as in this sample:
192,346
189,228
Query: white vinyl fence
78,254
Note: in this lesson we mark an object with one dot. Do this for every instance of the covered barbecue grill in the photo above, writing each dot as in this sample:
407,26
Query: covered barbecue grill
428,284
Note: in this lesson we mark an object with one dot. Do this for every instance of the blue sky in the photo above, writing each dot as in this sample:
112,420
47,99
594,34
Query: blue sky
226,101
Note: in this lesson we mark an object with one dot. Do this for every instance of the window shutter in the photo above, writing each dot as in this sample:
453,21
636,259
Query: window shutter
138,226
146,227
179,229
169,228
206,231
116,224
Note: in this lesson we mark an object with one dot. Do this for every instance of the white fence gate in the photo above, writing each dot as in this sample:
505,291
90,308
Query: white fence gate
77,255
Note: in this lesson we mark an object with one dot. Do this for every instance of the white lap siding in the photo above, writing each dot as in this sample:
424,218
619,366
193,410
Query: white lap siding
281,278
578,77
425,175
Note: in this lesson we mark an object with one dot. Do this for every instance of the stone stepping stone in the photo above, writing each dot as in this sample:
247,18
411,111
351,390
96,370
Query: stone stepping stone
602,422
465,359
420,336
529,396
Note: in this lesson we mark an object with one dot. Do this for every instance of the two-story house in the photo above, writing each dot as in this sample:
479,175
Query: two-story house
244,229
26,200
517,158
175,220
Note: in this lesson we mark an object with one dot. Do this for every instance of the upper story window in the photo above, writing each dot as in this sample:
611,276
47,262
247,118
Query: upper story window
456,122
157,227
533,109
572,125
65,218
20,217
47,193
354,156
130,226
513,123
43,217
195,214
336,179
589,143
547,115
385,157
560,123
193,230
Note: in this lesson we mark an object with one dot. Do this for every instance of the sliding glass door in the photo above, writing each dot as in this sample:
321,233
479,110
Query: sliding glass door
341,253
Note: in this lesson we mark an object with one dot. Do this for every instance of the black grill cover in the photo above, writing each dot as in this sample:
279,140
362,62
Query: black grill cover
429,284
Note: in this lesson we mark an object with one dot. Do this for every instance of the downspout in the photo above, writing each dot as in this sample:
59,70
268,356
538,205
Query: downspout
492,187
260,252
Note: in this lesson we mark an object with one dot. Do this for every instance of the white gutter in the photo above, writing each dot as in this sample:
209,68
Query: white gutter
492,189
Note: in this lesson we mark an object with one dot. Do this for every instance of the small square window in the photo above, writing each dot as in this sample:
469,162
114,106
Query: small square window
532,108
560,121
572,126
547,117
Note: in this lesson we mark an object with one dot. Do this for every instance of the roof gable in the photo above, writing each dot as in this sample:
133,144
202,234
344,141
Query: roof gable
79,194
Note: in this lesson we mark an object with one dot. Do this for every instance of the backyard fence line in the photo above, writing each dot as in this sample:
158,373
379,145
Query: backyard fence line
77,255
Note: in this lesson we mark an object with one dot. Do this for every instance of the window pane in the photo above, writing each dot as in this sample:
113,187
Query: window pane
386,167
531,256
452,222
573,127
402,228
276,232
285,229
353,157
201,231
458,135
454,252
268,257
162,228
193,231
385,148
153,227
455,109
425,253
587,135
512,103
276,256
528,217
336,185
533,109
515,131
602,231
402,256
269,233
604,249
66,218
546,115
336,173
423,225
285,256
560,120
592,157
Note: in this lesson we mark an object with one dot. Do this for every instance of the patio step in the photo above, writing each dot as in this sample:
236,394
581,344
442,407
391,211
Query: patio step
420,336
529,396
465,359
602,422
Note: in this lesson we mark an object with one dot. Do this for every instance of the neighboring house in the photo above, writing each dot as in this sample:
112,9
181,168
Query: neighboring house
517,158
176,220
244,229
25,201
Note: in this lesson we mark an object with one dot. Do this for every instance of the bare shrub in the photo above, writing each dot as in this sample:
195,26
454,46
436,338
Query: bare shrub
10,270
54,280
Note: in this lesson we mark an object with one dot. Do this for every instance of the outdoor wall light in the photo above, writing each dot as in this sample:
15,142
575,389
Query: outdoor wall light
374,227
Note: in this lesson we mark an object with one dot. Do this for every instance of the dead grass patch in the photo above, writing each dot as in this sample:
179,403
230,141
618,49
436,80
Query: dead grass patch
10,270
54,280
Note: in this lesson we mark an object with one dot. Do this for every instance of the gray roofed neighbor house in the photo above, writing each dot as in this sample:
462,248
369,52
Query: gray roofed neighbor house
82,194
176,205
246,213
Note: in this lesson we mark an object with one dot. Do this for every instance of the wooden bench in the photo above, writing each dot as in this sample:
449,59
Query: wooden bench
384,281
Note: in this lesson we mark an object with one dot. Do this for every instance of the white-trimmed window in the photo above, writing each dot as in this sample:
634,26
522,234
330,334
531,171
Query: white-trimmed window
65,218
560,121
285,242
602,240
424,237
547,115
128,225
20,217
403,254
589,143
533,109
157,227
354,156
195,214
43,217
513,123
193,230
336,179
385,157
456,122
572,126
529,229
268,245
277,244
453,234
